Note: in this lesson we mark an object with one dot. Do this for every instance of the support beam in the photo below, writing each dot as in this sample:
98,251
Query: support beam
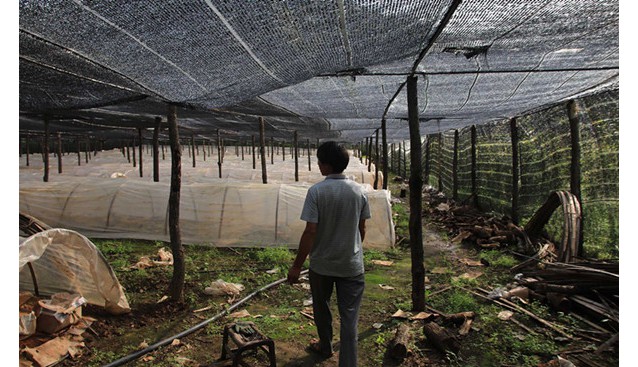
45,149
77,142
59,153
574,110
262,149
455,167
296,152
134,157
193,149
473,174
158,123
515,170
219,154
369,155
254,157
139,135
416,206
376,159
176,289
308,150
428,160
384,144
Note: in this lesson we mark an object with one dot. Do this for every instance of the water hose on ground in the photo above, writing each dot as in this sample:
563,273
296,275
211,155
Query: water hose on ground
168,340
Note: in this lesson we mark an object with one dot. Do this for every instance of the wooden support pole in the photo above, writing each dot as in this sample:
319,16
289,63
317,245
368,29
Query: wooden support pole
361,151
163,154
219,154
77,142
193,149
45,149
473,175
128,150
428,160
384,144
416,206
308,150
392,158
283,151
574,111
455,167
139,134
369,155
254,157
176,290
27,149
59,153
204,149
88,149
262,149
376,159
133,149
272,150
241,142
296,152
156,130
399,162
439,167
515,170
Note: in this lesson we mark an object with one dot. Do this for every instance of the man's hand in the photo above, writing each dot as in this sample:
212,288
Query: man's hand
293,274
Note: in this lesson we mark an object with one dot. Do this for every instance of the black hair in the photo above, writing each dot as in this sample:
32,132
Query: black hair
333,154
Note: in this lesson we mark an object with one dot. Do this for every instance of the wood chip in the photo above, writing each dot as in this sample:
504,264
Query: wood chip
383,262
238,314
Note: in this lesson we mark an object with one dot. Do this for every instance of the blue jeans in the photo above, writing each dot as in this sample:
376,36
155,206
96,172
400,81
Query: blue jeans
349,294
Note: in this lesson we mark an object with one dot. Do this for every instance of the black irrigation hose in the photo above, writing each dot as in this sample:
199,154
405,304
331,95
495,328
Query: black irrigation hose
166,341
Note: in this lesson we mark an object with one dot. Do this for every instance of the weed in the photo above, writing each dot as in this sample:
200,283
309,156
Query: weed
498,259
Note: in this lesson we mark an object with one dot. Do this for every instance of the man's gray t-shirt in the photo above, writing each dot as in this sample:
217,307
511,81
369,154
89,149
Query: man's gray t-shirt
336,204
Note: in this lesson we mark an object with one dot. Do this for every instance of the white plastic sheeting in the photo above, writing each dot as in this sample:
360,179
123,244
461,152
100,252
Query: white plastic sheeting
223,213
66,261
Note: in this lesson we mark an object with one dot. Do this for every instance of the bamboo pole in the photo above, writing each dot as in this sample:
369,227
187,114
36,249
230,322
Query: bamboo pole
193,149
416,186
134,157
308,150
262,149
272,150
368,156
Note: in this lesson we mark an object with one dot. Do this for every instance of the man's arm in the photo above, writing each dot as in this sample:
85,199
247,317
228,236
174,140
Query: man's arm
362,229
305,245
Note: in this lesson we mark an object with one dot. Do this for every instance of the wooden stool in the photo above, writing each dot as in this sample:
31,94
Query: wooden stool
246,337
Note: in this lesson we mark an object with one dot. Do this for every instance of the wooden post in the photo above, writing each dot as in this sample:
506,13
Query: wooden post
88,149
133,149
176,290
308,150
455,167
514,137
139,134
416,187
369,155
392,158
254,158
77,142
296,146
405,161
428,159
376,160
219,155
473,175
439,167
384,144
361,151
241,142
262,149
45,149
193,148
163,154
158,123
272,150
59,153
27,150
283,151
573,111
128,150
399,156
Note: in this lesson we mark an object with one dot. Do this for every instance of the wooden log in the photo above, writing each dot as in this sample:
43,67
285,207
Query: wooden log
441,338
398,346
176,289
262,149
460,317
